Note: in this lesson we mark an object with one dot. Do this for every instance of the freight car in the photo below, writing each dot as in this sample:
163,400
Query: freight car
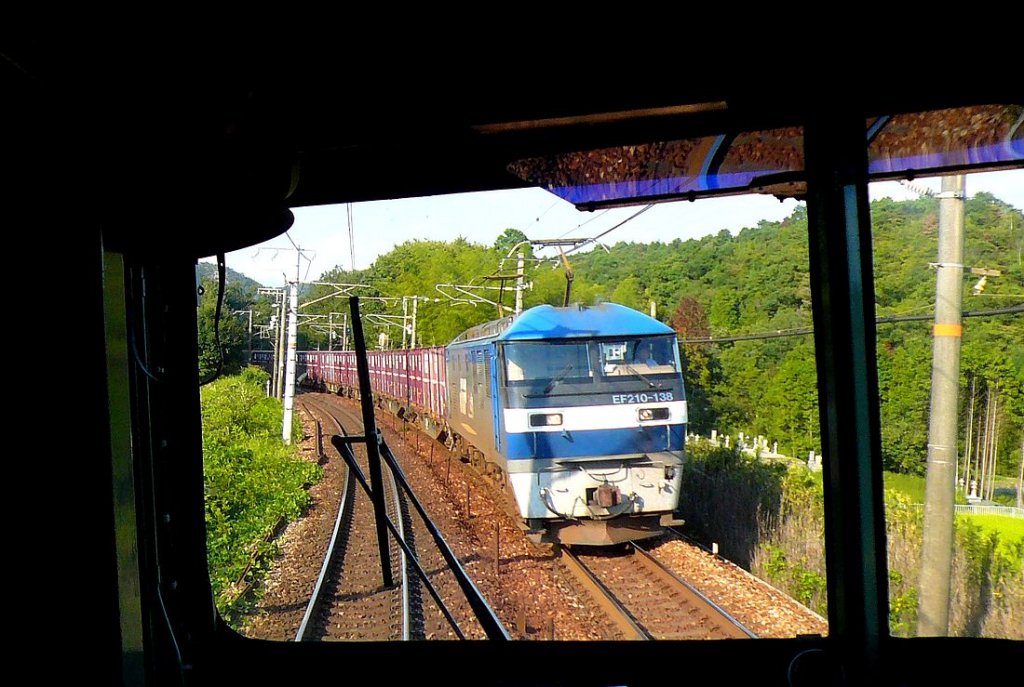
578,412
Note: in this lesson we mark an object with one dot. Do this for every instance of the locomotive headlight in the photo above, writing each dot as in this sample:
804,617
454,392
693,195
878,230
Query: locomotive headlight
546,420
652,414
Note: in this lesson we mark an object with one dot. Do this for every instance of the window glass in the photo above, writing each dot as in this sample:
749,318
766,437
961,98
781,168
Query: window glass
642,356
533,361
714,424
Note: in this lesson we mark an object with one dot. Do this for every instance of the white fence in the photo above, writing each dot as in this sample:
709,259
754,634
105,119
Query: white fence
1009,511
1005,511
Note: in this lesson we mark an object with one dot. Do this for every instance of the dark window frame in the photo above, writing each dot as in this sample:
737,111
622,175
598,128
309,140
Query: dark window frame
170,495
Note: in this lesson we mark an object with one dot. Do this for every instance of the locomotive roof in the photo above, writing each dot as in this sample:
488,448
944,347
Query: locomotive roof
573,322
580,321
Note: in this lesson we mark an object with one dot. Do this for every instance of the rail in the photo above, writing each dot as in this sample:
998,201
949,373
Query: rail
314,601
377,448
345,449
604,597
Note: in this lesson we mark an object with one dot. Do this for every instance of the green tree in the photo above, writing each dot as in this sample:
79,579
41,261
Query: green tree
701,369
630,294
230,328
509,239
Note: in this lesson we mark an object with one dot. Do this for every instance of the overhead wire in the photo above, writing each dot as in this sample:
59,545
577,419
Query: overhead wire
594,239
583,224
885,319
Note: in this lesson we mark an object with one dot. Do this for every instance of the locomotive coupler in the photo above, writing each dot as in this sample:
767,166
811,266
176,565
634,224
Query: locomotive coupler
607,496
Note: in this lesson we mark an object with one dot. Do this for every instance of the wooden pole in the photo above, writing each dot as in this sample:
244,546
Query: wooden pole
967,443
995,448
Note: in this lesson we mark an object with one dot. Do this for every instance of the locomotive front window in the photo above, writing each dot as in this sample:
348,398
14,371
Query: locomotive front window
639,356
527,362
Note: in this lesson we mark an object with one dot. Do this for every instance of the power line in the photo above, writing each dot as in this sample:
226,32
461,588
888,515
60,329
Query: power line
608,231
582,224
552,207
889,319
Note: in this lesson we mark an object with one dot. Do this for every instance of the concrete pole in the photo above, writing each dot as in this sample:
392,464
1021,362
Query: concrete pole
248,351
412,342
289,391
937,551
273,362
405,321
520,282
279,375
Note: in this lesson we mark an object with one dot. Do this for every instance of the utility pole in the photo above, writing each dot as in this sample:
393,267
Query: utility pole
289,391
412,343
1020,477
937,551
330,328
248,352
405,322
276,293
293,330
968,442
279,374
520,279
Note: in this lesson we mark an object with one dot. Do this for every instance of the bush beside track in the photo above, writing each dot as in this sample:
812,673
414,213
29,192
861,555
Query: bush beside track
253,481
770,520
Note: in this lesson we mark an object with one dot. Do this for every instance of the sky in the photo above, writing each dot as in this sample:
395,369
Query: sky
322,232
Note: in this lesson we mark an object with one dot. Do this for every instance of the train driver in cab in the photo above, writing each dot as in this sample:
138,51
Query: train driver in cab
643,355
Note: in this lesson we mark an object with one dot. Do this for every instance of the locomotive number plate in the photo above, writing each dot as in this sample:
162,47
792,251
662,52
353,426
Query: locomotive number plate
643,397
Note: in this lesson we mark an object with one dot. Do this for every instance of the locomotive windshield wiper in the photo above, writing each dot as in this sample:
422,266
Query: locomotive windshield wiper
558,378
653,385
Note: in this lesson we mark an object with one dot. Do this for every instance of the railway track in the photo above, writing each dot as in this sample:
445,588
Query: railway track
673,610
645,600
431,609
529,585
349,599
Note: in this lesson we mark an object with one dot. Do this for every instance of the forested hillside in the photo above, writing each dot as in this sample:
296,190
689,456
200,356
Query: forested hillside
754,283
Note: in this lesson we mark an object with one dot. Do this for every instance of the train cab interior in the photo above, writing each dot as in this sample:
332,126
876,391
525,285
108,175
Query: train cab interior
147,158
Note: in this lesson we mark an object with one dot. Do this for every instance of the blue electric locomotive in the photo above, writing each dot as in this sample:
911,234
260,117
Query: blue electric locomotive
582,410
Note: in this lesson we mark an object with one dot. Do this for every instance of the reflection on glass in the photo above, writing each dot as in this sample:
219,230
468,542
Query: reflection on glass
668,169
772,161
920,141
